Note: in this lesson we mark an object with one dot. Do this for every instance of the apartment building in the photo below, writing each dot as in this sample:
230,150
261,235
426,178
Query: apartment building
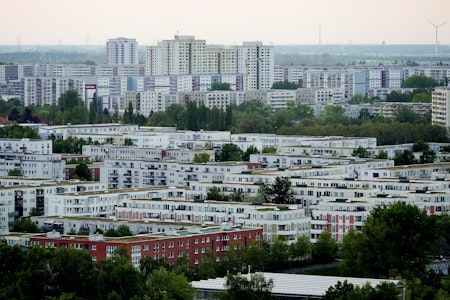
288,73
102,203
122,51
129,173
211,99
147,102
185,55
20,196
319,95
170,245
275,99
63,131
440,106
275,221
40,91
102,152
388,109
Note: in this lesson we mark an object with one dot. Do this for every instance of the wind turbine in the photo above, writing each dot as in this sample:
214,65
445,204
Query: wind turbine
437,27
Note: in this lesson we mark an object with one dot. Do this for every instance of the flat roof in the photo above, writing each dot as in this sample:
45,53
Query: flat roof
295,284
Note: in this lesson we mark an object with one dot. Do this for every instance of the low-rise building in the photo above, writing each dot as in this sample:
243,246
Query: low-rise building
170,245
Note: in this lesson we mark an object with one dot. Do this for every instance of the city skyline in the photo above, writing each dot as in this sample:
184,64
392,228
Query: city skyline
284,22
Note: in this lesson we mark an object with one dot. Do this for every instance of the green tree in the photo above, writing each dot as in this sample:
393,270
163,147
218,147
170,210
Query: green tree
82,172
360,152
69,100
15,172
325,248
427,156
25,225
285,85
220,86
183,265
254,288
257,256
394,240
301,249
269,150
214,193
166,285
35,212
12,261
148,264
359,99
340,291
279,254
280,191
382,155
419,81
207,266
250,150
201,158
333,114
345,290
403,114
303,111
123,230
420,145
254,122
229,152
74,272
423,97
405,158
128,142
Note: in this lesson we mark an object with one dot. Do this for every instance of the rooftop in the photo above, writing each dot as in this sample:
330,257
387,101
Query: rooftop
295,285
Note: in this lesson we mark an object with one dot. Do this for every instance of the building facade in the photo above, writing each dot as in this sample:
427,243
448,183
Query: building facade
122,51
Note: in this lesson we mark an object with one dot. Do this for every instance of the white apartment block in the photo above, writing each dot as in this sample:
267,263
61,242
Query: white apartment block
34,158
211,99
102,203
102,152
42,91
275,99
382,93
288,73
322,96
185,55
63,131
26,145
4,217
440,106
256,62
147,102
33,165
19,200
388,109
340,215
353,81
87,225
288,222
122,51
129,173
438,73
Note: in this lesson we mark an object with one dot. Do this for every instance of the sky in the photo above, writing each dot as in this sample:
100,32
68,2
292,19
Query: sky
226,22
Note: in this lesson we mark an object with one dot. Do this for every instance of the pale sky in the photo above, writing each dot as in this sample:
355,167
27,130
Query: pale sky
228,22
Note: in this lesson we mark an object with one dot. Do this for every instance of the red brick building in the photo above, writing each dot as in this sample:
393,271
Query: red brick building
169,245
